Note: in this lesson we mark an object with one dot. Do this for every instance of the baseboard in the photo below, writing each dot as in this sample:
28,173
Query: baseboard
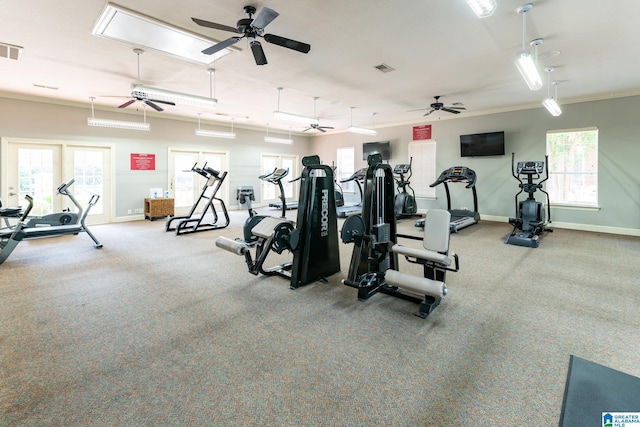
574,226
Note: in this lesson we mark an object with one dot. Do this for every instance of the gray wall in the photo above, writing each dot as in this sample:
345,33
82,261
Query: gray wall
56,123
619,151
525,134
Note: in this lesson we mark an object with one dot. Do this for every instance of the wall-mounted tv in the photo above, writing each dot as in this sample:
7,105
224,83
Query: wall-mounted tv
382,147
482,144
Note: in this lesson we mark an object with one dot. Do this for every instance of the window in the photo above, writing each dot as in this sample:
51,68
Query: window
573,167
345,168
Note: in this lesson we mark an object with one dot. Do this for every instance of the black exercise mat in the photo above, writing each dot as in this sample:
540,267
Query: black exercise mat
593,389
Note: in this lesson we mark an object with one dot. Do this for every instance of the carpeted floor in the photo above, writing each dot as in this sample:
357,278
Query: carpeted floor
157,329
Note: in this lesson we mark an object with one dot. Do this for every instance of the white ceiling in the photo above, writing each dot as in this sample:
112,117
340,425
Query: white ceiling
437,47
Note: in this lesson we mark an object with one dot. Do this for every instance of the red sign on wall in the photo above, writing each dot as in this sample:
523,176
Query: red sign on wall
421,132
143,162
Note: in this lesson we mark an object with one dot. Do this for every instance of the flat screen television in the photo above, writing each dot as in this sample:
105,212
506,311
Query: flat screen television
482,144
382,147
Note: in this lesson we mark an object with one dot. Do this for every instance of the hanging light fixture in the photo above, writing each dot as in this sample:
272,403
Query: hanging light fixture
551,103
482,8
290,116
145,92
117,124
526,63
360,130
213,133
275,140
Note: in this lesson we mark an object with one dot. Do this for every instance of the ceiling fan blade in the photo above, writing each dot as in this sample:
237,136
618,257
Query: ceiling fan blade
264,18
161,101
429,112
258,53
152,105
449,110
307,129
321,129
222,45
208,24
126,104
457,108
288,43
326,127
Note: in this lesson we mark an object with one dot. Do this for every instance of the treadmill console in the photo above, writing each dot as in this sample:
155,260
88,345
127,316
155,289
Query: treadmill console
530,168
402,169
457,174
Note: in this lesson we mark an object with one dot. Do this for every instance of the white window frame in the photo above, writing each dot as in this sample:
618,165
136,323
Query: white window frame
569,185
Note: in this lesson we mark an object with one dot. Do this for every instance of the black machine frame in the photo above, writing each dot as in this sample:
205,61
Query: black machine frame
193,222
404,202
374,261
313,238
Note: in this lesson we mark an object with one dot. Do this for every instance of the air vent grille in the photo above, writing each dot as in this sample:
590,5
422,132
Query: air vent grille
384,68
10,51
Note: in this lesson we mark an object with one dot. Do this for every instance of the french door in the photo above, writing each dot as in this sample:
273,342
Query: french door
271,192
185,186
38,168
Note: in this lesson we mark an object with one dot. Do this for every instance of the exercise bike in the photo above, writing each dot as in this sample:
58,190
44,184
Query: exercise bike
404,202
66,217
530,214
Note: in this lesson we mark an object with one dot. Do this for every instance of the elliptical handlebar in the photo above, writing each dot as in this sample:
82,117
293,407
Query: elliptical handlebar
64,187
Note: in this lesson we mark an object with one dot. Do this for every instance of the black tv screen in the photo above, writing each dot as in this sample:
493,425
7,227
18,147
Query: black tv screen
482,144
381,147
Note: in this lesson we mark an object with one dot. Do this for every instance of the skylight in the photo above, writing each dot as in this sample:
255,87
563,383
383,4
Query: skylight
120,24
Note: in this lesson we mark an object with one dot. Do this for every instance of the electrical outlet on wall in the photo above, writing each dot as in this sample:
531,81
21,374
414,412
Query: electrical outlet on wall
129,212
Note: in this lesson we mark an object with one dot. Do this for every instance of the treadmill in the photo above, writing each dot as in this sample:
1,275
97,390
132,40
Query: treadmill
460,218
276,177
346,210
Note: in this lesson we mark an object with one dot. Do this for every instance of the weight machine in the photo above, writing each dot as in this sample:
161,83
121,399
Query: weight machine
374,260
192,222
313,238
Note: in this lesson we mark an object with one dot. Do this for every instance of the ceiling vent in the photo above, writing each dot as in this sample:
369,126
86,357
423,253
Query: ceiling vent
10,51
384,68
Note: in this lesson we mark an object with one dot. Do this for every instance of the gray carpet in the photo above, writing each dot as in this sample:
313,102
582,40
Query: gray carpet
593,389
156,329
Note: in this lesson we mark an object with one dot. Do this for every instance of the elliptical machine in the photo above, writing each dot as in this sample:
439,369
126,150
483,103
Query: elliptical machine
404,202
530,213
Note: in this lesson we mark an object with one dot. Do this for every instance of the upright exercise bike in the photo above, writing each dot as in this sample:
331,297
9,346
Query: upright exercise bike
530,221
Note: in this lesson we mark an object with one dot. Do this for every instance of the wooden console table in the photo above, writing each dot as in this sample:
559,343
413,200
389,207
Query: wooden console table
157,208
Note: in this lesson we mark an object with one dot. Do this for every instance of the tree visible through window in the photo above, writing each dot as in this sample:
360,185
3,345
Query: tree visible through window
573,167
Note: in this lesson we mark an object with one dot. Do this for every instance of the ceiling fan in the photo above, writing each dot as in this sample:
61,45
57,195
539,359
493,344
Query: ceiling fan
135,97
252,28
439,106
316,126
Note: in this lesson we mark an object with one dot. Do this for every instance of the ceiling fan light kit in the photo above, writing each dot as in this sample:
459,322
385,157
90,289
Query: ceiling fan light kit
142,91
482,8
